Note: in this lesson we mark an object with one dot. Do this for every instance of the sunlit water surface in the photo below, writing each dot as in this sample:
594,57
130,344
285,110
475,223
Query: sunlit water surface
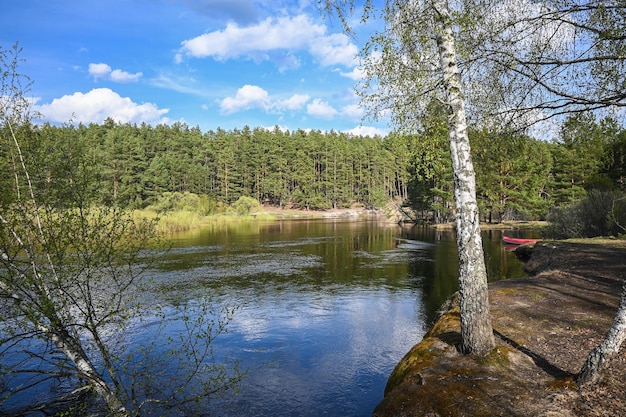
326,308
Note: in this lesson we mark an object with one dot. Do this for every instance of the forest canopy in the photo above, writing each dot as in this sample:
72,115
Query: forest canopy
518,177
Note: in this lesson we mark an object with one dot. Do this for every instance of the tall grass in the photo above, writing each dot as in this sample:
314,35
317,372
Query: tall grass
183,220
179,212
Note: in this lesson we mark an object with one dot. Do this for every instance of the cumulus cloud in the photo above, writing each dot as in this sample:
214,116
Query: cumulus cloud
98,104
356,74
260,41
321,109
269,34
247,97
334,49
99,70
253,96
104,71
366,131
295,102
352,111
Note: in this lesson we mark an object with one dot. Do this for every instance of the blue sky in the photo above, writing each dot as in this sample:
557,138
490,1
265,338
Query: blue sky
210,63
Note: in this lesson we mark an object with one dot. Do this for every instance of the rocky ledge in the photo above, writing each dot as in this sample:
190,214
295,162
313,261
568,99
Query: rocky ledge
545,326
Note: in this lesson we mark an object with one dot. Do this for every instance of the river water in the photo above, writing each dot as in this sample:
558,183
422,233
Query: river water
325,308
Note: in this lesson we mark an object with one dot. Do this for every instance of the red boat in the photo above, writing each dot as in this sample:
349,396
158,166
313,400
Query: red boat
517,241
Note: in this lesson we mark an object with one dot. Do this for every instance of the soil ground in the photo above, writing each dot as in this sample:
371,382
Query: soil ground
546,324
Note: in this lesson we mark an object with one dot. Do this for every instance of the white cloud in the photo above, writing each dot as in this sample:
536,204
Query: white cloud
334,49
260,41
366,131
247,97
252,96
98,104
356,74
321,109
269,34
104,71
352,111
99,70
295,102
120,76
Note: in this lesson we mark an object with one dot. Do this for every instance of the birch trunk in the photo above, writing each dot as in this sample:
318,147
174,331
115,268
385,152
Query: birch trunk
74,351
476,330
71,348
598,359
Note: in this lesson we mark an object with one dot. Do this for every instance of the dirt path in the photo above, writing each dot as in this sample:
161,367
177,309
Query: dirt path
546,325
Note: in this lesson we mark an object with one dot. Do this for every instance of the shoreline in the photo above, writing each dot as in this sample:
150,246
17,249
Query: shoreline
181,221
545,325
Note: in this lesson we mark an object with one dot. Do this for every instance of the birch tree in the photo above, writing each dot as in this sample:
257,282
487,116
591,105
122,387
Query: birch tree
34,287
476,330
70,284
601,356
534,61
522,62
413,60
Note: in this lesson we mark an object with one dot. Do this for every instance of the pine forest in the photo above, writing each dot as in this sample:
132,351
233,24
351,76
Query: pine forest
519,177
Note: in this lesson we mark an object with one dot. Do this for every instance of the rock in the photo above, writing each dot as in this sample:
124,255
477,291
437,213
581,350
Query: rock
546,326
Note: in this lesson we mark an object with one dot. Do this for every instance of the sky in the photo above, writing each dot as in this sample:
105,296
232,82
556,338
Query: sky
207,63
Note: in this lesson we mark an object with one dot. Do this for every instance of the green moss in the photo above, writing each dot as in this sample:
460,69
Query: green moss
452,393
498,357
419,357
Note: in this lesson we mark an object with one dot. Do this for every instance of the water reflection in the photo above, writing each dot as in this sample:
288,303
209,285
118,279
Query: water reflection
327,307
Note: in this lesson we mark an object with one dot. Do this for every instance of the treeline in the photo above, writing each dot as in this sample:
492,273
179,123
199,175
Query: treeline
519,177
134,166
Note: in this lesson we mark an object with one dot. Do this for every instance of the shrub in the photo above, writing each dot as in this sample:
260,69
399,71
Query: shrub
194,203
601,213
246,205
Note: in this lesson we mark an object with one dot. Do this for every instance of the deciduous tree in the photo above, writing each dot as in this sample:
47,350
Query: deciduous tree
522,62
412,62
70,284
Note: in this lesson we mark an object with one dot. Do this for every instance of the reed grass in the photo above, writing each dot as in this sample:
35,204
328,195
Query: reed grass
183,220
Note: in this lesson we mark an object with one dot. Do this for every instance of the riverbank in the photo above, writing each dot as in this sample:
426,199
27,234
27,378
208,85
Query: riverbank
282,213
546,324
182,220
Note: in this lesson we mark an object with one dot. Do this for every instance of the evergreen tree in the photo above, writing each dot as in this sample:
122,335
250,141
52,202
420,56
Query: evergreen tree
580,157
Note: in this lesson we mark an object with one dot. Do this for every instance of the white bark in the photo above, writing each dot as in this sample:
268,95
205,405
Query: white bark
598,359
72,349
29,292
476,329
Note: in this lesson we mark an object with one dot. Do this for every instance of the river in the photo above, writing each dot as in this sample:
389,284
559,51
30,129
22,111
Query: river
325,308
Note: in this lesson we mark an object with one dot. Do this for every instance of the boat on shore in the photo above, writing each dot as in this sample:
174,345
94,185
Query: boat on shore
517,241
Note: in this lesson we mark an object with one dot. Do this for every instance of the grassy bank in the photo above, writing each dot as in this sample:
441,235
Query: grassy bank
181,221
184,220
